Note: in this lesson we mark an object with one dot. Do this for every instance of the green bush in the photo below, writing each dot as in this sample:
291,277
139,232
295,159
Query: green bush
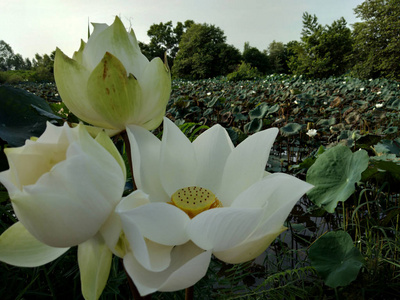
244,72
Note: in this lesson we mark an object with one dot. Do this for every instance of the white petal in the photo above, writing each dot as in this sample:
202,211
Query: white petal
246,165
178,165
68,205
94,259
19,248
71,79
146,153
116,40
188,265
285,191
212,148
151,255
160,222
248,250
156,89
223,228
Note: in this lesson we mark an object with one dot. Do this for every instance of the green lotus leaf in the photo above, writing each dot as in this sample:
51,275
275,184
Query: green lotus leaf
273,109
22,115
259,111
394,104
334,175
291,129
391,130
336,259
253,126
388,146
384,169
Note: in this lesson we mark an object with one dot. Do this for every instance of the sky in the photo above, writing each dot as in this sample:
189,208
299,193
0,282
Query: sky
39,26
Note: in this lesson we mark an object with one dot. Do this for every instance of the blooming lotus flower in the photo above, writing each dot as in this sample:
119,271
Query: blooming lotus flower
311,132
197,199
109,83
63,187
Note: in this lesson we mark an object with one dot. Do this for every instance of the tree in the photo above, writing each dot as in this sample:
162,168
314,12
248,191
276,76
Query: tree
6,56
43,67
323,51
255,58
277,55
164,38
377,39
203,53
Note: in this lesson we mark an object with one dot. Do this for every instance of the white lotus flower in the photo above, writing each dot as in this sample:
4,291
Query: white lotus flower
109,83
205,197
311,132
63,187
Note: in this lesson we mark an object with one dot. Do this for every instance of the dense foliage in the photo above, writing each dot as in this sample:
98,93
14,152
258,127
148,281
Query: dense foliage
323,51
203,53
377,40
164,39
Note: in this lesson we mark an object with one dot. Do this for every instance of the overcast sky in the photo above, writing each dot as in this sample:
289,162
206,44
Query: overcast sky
39,26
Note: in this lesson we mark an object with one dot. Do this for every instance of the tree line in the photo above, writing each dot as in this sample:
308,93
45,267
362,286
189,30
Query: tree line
197,51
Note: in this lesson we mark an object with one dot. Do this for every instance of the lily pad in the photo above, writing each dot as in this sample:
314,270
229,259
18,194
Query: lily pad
334,175
291,129
253,126
336,259
259,111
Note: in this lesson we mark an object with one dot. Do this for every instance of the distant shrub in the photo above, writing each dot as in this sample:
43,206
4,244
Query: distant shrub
244,72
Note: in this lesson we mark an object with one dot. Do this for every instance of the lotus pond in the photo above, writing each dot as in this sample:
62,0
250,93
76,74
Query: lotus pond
340,134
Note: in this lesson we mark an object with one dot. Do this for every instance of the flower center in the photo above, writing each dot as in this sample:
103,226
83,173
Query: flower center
194,200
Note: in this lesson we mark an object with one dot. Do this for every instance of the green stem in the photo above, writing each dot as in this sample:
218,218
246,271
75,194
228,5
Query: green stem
124,136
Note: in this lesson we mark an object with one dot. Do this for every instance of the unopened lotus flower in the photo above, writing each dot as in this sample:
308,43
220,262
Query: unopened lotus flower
197,199
109,83
63,187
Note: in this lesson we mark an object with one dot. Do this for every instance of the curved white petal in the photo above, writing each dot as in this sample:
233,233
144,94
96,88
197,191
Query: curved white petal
151,255
69,204
116,40
94,259
146,153
178,165
248,250
223,228
159,222
19,248
246,165
155,82
71,78
281,199
212,149
188,265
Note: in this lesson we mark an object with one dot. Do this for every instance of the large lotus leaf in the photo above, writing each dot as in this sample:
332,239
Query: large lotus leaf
259,111
384,168
273,109
336,259
394,104
391,130
22,115
388,146
253,126
334,175
291,129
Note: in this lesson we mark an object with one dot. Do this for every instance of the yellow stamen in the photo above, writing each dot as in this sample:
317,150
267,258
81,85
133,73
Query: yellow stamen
194,200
